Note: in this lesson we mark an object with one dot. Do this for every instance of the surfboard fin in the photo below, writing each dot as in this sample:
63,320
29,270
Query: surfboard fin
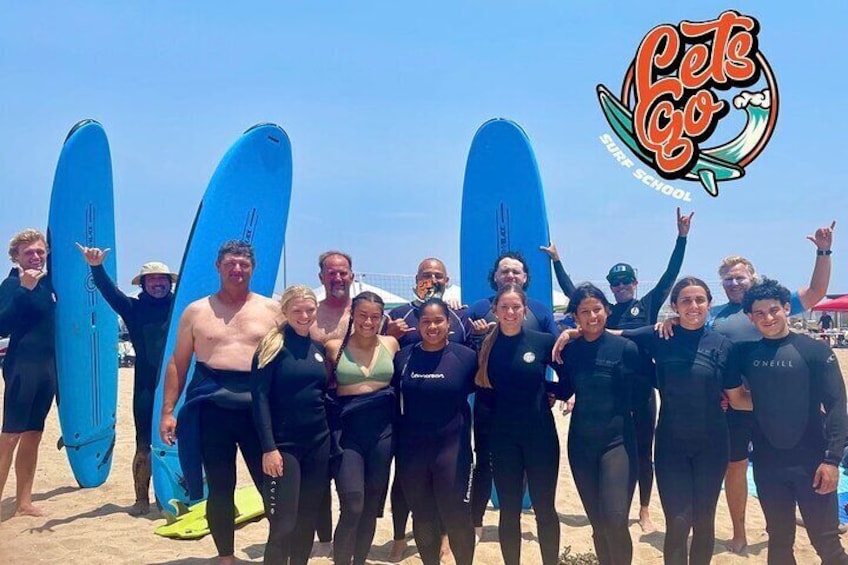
60,444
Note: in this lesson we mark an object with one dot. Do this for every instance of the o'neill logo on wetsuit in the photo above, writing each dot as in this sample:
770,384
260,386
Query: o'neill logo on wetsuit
669,103
772,363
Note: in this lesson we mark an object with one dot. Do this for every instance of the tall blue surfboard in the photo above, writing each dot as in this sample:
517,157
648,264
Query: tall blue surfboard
503,209
82,210
247,199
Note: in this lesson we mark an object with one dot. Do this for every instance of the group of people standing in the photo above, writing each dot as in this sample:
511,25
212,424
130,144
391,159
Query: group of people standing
334,390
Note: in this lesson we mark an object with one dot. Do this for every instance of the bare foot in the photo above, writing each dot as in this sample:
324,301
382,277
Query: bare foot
28,510
140,508
396,553
322,549
645,521
445,554
737,546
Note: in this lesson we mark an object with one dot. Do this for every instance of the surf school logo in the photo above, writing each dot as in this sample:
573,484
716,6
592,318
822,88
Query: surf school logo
669,106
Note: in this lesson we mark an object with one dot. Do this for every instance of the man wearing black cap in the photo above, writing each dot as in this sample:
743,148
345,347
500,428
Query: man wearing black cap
146,318
630,312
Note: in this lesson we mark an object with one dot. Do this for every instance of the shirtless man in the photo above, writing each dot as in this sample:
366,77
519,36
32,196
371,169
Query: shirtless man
222,332
336,274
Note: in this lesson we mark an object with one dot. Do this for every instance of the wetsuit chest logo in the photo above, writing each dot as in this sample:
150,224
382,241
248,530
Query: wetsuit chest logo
634,311
529,357
319,357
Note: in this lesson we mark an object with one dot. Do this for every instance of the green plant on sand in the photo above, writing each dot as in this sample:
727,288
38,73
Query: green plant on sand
578,558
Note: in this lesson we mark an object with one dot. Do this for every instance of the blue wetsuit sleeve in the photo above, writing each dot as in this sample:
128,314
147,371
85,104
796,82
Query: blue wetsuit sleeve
564,281
120,302
545,317
795,305
655,298
825,369
260,387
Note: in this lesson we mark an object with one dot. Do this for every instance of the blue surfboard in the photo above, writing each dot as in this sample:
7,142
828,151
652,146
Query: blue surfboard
82,210
503,209
247,199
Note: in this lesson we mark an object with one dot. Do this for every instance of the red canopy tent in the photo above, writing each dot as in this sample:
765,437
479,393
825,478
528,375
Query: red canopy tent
835,305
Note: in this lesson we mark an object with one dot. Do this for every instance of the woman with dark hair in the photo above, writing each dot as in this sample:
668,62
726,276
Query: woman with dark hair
513,363
362,367
288,385
601,369
434,378
692,444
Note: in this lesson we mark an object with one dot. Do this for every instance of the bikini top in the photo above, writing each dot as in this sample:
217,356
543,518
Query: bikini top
349,372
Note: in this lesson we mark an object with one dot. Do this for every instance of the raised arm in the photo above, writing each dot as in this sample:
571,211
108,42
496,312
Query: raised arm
823,240
119,301
564,281
660,292
175,375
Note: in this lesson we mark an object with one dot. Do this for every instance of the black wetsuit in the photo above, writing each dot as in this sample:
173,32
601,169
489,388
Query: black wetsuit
601,438
524,440
29,369
147,321
539,319
460,332
692,440
791,379
215,419
434,459
288,409
630,315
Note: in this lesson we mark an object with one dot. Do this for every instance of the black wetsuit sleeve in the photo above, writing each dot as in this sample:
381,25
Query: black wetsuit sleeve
11,299
563,279
260,387
825,369
731,376
120,302
644,337
655,298
637,369
564,388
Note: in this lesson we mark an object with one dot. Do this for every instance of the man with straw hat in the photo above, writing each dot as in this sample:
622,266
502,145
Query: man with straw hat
146,317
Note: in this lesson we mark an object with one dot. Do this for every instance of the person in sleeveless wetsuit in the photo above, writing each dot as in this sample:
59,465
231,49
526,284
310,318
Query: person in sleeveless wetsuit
288,384
509,268
146,318
362,369
27,317
630,312
434,378
800,426
221,332
524,442
602,369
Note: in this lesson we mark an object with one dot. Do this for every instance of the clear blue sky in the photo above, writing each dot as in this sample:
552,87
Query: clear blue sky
381,102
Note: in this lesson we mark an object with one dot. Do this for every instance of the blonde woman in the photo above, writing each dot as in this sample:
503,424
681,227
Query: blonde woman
289,381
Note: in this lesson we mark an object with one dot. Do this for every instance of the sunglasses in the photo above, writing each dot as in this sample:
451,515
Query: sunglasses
621,282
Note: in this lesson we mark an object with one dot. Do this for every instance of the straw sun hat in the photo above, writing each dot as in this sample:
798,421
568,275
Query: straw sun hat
154,268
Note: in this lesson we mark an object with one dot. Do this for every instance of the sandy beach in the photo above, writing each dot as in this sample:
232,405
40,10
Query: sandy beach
92,526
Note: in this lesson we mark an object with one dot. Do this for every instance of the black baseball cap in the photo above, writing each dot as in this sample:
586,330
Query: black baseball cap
621,271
